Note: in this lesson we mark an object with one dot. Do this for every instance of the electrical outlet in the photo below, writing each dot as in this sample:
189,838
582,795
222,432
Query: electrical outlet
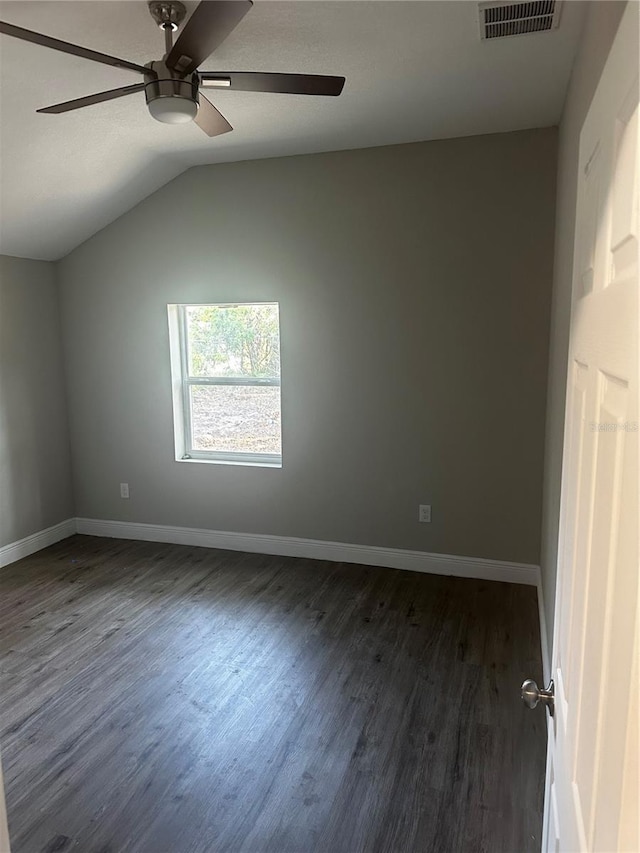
424,513
124,490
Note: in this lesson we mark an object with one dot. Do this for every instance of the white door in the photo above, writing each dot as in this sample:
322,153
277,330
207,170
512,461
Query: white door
593,798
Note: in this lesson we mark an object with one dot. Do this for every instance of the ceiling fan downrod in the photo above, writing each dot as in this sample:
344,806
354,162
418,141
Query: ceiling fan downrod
168,15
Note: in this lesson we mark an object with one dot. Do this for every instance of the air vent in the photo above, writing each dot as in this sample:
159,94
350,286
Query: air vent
501,20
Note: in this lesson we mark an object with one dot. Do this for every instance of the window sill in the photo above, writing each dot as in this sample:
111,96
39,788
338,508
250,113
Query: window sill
243,463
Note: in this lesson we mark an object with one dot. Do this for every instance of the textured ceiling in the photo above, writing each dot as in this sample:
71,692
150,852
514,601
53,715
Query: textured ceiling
415,71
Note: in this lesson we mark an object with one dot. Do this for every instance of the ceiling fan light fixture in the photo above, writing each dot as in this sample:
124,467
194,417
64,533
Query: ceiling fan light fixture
173,109
170,99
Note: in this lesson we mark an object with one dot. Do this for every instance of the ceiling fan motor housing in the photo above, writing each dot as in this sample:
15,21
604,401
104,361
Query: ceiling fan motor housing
171,99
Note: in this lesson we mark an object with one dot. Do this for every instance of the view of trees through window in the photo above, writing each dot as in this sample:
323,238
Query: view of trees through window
235,349
234,340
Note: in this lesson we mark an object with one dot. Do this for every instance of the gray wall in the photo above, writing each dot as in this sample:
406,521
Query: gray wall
599,31
35,476
414,287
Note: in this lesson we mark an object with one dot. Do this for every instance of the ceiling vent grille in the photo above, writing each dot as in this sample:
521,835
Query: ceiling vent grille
501,20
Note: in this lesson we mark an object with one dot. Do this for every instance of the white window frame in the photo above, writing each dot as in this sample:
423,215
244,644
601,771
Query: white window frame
182,381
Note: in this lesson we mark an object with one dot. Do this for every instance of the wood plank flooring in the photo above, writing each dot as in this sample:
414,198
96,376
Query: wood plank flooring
169,699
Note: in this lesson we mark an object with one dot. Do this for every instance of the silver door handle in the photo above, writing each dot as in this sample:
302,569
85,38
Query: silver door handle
532,694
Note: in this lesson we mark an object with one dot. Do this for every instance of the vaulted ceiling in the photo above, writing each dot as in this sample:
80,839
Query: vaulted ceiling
415,71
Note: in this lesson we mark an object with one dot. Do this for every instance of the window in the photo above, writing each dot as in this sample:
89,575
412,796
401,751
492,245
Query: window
226,382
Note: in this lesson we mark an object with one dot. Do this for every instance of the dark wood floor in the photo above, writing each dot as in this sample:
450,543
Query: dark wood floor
169,699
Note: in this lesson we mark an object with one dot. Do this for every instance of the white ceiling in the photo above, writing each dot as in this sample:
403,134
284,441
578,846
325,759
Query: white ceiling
415,71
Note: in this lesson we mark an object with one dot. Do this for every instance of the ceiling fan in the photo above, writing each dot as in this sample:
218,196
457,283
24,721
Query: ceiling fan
172,85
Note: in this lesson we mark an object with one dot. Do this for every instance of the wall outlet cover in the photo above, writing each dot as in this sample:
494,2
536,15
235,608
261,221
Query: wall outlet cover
424,513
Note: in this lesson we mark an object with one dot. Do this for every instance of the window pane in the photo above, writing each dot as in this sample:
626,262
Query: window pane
236,418
233,340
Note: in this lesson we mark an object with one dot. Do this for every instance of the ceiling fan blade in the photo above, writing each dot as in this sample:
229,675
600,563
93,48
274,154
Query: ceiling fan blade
211,120
208,27
67,47
77,103
257,81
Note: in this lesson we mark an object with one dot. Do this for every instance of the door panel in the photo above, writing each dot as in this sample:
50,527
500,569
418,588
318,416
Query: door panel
624,206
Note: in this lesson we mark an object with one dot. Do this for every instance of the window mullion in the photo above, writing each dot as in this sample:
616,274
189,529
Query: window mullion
232,380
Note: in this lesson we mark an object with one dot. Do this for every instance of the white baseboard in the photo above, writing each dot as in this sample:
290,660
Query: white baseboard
285,546
30,544
544,643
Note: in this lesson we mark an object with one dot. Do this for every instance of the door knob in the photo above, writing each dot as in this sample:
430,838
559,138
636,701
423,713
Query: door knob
532,694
